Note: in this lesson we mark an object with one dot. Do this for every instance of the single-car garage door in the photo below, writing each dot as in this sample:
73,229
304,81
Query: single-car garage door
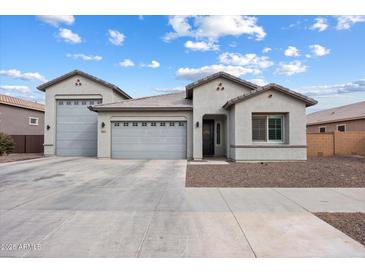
149,140
76,132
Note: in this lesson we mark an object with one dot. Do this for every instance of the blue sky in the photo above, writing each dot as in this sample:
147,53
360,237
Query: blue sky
321,56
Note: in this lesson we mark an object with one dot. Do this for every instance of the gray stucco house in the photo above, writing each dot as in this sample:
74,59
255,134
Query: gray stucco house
220,115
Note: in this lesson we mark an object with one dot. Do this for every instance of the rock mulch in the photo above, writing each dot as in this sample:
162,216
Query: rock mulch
315,172
352,224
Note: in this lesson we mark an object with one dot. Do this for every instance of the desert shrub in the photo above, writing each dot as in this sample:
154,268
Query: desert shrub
7,144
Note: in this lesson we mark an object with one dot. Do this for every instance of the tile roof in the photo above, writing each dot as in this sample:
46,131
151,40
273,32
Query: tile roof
44,86
309,101
189,88
12,101
171,101
343,113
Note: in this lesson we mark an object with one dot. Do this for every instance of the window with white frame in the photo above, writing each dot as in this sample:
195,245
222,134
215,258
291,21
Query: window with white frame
218,131
322,129
33,121
341,128
267,128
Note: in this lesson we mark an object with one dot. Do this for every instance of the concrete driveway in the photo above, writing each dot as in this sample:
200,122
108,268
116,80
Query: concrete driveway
84,207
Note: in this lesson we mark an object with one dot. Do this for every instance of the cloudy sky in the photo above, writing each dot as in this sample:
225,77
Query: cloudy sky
320,56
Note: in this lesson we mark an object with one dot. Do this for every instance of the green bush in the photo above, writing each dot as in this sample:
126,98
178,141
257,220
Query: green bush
7,144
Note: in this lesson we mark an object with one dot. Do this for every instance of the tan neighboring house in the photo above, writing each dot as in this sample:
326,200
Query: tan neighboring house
217,116
24,121
344,118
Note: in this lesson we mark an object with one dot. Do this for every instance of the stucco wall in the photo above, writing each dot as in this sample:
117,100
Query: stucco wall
67,90
355,125
15,121
104,134
295,129
208,100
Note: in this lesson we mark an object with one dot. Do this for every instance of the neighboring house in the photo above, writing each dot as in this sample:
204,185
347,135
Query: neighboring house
345,118
24,121
220,115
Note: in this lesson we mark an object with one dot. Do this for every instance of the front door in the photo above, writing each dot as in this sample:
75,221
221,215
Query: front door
208,137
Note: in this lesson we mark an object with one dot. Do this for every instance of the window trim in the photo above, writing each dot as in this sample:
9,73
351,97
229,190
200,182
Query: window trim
268,116
216,133
33,124
340,125
325,129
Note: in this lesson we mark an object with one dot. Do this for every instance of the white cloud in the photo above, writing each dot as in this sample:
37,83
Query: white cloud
291,51
233,44
259,81
21,89
56,20
248,60
266,50
346,22
319,50
126,63
201,46
68,36
291,68
170,90
115,37
154,64
354,86
85,57
320,24
214,27
16,74
181,28
232,63
196,73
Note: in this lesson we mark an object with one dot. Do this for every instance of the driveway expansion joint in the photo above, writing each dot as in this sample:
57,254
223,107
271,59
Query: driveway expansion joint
291,200
238,223
139,250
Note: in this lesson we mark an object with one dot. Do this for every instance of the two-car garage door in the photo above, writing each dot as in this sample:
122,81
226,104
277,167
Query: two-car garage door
149,140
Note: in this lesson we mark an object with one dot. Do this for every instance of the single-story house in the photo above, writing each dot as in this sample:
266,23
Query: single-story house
24,121
220,115
344,118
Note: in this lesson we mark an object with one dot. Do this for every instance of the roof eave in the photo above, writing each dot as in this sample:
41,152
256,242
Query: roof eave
23,107
308,101
46,85
335,121
126,109
189,88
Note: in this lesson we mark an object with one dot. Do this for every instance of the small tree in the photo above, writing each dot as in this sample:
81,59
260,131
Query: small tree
7,144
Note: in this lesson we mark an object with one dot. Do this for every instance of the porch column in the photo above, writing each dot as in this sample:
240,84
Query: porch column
197,137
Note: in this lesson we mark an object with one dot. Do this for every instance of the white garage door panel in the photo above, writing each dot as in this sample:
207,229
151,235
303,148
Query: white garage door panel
149,142
76,133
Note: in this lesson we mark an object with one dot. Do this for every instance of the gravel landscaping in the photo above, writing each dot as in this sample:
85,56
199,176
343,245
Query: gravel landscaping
19,157
352,224
315,172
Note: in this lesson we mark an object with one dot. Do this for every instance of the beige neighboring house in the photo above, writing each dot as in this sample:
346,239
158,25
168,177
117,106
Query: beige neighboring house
21,117
218,116
24,121
344,118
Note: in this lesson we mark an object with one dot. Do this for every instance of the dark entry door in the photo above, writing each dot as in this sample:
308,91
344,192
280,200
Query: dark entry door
208,137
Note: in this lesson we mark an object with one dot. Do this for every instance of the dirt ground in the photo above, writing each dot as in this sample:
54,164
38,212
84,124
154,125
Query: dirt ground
19,157
352,224
315,172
